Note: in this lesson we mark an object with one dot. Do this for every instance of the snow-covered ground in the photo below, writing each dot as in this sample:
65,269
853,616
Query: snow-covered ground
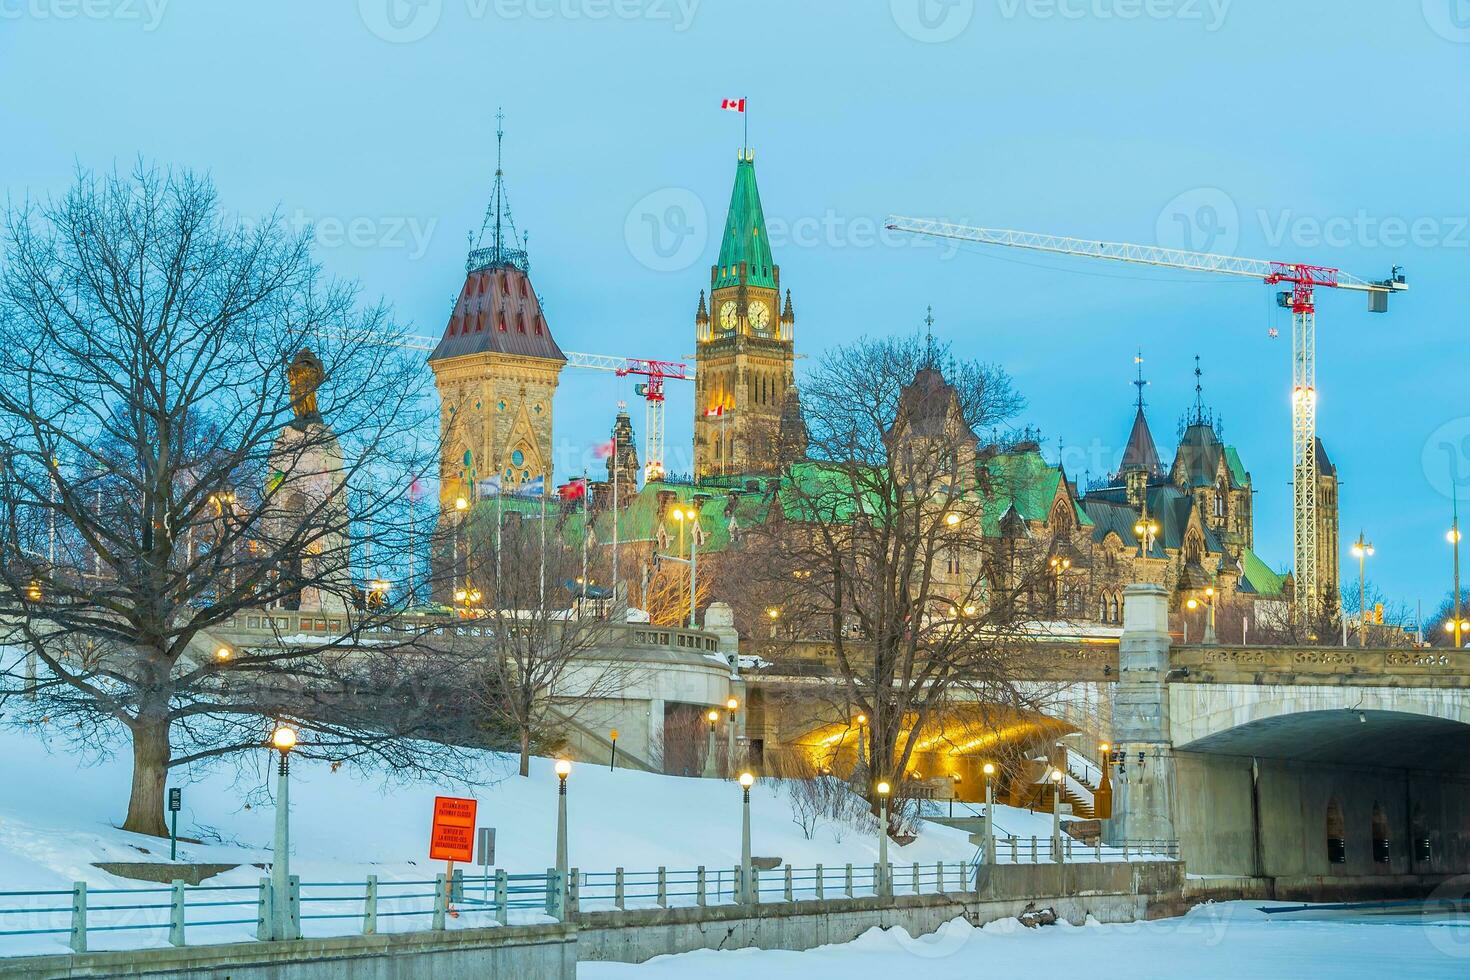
1230,941
58,817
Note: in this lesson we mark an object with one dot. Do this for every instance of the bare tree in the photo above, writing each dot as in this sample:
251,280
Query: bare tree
198,424
898,546
539,622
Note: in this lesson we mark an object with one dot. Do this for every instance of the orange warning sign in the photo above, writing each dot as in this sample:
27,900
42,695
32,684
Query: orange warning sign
453,835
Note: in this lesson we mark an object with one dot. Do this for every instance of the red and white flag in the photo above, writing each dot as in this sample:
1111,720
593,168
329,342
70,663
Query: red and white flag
732,105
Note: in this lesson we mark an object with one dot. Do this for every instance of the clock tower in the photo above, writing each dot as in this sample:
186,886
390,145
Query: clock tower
744,351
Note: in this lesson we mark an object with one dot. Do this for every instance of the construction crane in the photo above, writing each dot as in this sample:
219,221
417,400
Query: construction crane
651,391
1303,279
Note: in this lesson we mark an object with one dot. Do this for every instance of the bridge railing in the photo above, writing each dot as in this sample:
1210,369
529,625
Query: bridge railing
82,918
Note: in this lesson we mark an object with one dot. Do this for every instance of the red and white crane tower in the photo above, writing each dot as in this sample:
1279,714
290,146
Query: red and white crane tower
1300,299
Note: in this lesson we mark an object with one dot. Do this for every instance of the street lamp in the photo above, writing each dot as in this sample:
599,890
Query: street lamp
862,723
1193,604
1056,814
731,706
223,653
1361,550
283,740
746,892
989,770
709,755
883,886
1146,529
1453,537
563,770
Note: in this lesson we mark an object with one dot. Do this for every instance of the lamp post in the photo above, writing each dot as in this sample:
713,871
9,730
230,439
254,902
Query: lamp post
691,516
1458,624
709,754
1193,604
283,740
563,769
989,770
746,892
1361,550
613,756
461,507
1147,529
1056,814
731,706
862,721
883,886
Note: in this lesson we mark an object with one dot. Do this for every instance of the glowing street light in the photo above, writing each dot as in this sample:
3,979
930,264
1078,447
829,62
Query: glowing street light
282,924
1458,626
884,885
1362,549
709,756
1147,529
747,893
563,770
223,653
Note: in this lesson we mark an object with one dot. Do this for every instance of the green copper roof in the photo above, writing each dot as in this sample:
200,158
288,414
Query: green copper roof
1027,482
1263,581
745,234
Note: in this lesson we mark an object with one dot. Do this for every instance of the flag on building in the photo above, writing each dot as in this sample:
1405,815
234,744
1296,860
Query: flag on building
490,487
532,488
416,488
732,105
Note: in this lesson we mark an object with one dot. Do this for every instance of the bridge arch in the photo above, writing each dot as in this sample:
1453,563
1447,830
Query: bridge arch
1421,728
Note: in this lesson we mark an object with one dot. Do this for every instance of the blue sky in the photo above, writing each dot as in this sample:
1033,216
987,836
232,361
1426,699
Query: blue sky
1327,131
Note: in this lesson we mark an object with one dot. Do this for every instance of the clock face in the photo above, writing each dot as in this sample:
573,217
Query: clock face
728,318
760,319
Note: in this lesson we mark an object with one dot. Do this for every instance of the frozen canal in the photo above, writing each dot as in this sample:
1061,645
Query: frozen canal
1230,941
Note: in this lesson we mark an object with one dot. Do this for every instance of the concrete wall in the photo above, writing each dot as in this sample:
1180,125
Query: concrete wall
1282,831
1109,892
517,951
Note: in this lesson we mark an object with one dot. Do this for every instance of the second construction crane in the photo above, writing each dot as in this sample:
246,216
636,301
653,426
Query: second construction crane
1304,281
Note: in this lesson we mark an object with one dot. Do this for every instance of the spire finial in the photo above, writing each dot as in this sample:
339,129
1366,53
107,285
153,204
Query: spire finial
1199,397
506,246
929,336
1140,384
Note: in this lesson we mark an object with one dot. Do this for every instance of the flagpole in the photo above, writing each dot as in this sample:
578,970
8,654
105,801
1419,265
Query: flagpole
586,535
412,601
542,594
615,474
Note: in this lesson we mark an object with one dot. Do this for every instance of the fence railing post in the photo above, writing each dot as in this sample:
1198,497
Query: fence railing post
737,885
556,894
263,910
456,886
1069,848
1014,858
1097,851
502,896
701,888
663,887
788,894
916,877
574,892
1033,848
293,907
848,880
939,878
1125,849
79,917
176,913
755,885
821,883
370,906
620,900
878,879
441,901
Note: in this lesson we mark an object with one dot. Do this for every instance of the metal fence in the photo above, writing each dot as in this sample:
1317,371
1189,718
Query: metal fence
38,921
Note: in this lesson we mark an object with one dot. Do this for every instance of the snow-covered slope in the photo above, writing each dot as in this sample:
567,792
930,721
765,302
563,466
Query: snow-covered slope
58,817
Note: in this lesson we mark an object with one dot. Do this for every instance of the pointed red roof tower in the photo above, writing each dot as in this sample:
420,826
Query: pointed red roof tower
496,368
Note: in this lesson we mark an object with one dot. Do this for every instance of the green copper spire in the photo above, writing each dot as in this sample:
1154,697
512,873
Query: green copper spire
745,233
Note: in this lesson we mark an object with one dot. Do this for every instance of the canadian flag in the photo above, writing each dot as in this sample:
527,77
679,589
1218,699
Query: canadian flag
732,105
